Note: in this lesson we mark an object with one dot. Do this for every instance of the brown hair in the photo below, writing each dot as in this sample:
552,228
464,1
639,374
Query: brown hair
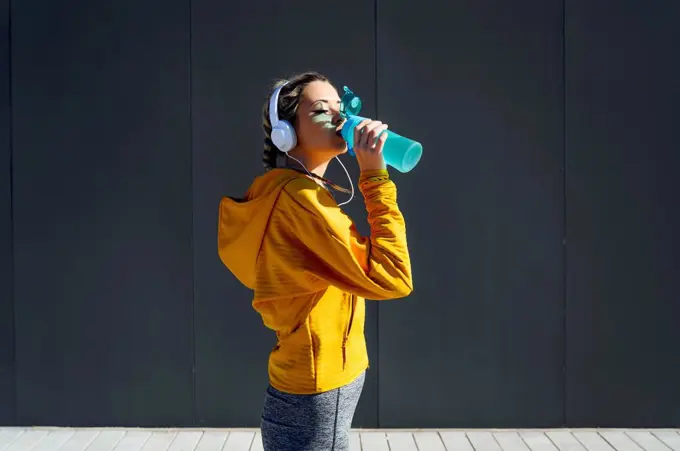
289,101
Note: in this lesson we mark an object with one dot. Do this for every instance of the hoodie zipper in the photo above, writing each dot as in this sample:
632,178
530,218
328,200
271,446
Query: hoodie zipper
349,329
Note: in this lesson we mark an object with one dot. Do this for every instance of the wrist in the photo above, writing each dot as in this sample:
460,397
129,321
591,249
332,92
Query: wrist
378,166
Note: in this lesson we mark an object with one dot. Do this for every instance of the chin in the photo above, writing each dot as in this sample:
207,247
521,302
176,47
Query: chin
340,146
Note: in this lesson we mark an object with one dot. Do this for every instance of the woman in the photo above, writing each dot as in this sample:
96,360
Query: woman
309,268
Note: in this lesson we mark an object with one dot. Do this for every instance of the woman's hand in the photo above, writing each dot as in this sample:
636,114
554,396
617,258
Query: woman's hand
369,140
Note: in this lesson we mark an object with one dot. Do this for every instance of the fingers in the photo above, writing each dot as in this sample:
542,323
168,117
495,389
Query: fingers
381,141
359,131
369,135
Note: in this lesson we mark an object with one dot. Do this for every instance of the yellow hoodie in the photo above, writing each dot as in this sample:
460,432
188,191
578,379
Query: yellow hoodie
310,271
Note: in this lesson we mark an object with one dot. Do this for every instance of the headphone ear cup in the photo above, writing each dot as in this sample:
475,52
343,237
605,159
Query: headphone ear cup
283,136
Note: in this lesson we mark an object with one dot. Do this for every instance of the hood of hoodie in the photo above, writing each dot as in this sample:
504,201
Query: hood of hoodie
242,223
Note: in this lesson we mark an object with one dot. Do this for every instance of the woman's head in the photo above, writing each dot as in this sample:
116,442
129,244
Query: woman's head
311,104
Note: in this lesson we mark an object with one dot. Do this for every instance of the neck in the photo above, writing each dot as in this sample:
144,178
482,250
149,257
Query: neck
316,166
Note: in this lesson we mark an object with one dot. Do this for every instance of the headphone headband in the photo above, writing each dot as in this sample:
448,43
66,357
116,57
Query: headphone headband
274,105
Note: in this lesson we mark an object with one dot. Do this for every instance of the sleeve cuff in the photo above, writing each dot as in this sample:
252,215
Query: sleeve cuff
374,175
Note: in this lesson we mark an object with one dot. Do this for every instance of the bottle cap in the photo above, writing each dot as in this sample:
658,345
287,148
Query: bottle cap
350,103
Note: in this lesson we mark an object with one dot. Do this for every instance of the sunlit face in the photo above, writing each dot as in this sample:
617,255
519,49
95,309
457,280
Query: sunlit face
318,118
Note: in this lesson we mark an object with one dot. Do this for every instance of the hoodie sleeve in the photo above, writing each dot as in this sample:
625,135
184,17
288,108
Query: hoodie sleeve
375,267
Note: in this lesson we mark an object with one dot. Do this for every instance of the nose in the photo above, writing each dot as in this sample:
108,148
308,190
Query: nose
337,116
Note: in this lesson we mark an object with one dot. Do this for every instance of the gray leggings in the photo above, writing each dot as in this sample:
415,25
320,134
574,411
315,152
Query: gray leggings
319,422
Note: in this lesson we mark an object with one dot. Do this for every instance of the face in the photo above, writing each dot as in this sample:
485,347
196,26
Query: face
318,118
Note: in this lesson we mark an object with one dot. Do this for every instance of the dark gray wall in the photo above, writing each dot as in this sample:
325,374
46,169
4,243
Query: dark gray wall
130,122
7,390
623,213
481,340
102,210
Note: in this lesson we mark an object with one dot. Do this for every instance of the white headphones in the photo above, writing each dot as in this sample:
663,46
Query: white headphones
283,134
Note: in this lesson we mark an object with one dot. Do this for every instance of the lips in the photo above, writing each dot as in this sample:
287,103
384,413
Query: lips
339,129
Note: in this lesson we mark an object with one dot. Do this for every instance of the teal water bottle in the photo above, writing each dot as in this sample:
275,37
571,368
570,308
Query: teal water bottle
402,153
